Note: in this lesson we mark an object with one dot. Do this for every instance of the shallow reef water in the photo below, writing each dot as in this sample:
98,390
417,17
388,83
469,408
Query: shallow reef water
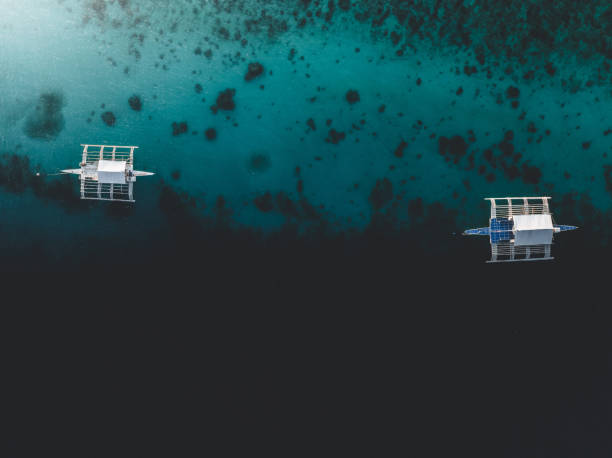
329,118
332,151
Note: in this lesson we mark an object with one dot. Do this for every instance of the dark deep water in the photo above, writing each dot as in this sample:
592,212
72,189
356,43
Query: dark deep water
327,154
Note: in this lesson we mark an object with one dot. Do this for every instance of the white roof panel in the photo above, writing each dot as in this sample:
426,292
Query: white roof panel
532,222
111,166
532,229
111,172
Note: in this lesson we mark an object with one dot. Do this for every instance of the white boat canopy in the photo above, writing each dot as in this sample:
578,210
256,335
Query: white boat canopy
532,229
107,172
520,229
111,171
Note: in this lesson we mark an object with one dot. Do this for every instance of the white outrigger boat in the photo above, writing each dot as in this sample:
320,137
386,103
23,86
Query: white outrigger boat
107,172
520,229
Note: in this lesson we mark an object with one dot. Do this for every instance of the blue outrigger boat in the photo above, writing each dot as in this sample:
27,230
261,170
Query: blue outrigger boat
520,229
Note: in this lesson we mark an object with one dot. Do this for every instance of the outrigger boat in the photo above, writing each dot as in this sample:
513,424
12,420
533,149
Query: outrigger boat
520,229
107,172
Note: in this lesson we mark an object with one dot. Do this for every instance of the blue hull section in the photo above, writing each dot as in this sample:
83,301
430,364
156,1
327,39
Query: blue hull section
565,228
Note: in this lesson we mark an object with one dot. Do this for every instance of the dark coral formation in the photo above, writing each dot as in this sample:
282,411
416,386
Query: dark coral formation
255,69
352,96
381,194
608,177
258,163
135,103
335,137
15,173
311,124
17,176
281,202
416,208
512,92
452,149
264,202
225,101
399,151
210,133
99,8
47,121
271,25
508,160
108,118
179,128
531,174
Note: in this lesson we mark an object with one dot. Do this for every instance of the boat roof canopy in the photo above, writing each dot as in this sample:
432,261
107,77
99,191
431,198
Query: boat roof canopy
111,171
532,229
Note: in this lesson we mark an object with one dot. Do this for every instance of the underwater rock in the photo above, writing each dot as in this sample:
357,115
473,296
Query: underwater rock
285,205
395,38
335,137
255,69
264,202
506,146
225,101
399,151
608,177
272,26
210,133
17,176
109,118
15,173
47,121
454,148
135,103
531,127
352,96
344,5
512,92
381,194
99,7
258,163
179,128
310,123
416,208
531,174
198,88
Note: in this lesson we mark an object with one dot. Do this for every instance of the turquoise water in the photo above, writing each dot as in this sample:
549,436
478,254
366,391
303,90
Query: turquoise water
321,149
429,130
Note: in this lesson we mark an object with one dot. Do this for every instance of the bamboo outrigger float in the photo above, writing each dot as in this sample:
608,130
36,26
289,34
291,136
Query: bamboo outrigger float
107,172
520,229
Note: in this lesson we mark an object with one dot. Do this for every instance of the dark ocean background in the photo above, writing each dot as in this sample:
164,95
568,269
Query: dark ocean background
329,153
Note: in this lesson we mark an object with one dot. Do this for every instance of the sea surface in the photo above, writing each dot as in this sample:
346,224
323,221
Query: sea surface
317,148
300,120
